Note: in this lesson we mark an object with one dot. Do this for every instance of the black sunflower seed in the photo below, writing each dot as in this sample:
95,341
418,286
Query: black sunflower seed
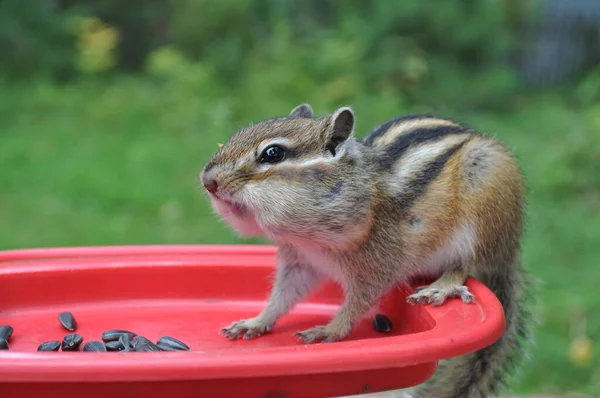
5,332
94,346
382,323
68,321
114,346
115,334
71,342
168,343
49,346
141,343
125,341
3,344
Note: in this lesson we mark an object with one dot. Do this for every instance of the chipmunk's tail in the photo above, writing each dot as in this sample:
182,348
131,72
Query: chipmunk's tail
485,373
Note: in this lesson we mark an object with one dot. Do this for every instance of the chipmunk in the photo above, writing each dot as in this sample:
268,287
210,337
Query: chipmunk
420,196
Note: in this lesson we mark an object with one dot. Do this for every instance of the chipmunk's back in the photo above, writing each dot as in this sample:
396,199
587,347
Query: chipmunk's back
418,148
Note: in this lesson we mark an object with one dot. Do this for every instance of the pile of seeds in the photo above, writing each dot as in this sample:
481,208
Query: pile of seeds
111,340
124,340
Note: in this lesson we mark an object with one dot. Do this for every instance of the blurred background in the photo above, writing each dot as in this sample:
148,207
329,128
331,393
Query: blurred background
109,109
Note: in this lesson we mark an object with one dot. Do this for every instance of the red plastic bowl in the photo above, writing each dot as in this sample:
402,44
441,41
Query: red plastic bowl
190,292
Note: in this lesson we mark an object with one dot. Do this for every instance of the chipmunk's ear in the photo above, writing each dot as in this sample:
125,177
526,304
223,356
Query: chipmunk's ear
302,110
341,126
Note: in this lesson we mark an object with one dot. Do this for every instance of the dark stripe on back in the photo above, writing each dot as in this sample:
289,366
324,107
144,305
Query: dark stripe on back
380,130
418,185
416,137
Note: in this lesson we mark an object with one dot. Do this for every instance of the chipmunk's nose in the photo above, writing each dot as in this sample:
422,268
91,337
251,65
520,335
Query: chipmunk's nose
210,184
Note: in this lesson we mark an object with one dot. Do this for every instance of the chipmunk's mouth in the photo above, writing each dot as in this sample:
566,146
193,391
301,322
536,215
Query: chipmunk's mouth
239,216
235,208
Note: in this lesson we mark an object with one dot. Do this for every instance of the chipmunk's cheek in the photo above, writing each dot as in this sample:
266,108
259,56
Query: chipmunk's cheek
274,210
240,219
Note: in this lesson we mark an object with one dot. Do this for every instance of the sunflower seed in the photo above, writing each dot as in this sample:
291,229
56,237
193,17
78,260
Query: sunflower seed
3,344
71,342
115,334
49,346
141,343
94,346
382,323
114,346
5,332
125,341
68,321
168,343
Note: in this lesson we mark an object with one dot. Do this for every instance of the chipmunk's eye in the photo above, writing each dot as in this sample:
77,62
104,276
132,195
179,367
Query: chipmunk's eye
273,154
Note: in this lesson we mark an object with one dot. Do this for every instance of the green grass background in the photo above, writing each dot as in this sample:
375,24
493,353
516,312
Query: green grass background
116,162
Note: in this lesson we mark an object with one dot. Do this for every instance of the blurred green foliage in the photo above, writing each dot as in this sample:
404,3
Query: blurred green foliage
427,51
108,112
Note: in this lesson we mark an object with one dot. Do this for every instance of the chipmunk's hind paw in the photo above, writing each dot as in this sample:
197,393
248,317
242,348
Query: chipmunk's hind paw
437,295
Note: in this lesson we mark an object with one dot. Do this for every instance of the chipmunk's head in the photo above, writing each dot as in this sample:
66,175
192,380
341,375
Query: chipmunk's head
295,178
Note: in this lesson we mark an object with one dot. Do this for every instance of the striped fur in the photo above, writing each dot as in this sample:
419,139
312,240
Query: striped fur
419,197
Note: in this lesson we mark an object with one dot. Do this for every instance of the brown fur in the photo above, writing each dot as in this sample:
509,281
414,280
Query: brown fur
421,196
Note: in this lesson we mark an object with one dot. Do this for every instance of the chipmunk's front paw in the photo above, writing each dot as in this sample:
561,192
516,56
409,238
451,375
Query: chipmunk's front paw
319,333
438,295
250,328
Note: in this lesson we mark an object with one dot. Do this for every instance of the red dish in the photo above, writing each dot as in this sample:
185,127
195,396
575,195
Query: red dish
190,292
